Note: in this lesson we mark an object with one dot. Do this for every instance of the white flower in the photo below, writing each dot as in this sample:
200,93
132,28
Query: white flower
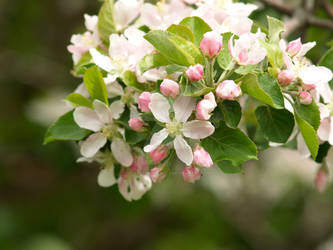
125,53
81,43
100,121
247,49
133,185
179,127
125,11
163,14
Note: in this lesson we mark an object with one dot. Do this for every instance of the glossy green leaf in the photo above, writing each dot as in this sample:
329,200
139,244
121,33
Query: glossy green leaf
230,144
130,80
224,59
197,26
309,134
175,48
276,124
228,168
93,80
133,137
106,23
152,61
309,113
232,113
263,87
65,129
275,28
79,100
84,63
182,31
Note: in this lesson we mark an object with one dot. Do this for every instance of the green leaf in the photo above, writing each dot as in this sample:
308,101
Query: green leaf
65,129
224,59
173,68
133,137
194,89
310,113
274,54
232,113
93,80
309,135
230,144
106,23
175,48
152,61
276,124
263,87
228,168
182,31
79,100
197,26
130,80
275,28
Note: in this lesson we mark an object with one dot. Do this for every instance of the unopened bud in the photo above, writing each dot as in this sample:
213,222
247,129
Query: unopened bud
191,174
305,97
205,107
211,44
144,100
202,157
157,174
136,124
159,153
322,179
294,47
195,73
169,88
228,90
286,77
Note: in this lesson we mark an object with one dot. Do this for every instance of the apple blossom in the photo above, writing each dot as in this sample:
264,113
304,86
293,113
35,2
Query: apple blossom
179,127
286,77
211,44
144,100
228,90
294,47
206,106
202,157
157,174
136,124
159,153
195,73
169,88
305,97
191,174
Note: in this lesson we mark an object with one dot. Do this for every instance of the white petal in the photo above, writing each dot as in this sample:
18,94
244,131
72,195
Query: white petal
87,118
305,48
183,150
90,22
150,15
302,148
183,107
325,91
117,108
160,107
106,177
198,129
114,89
103,112
102,61
125,11
156,140
122,152
92,144
324,130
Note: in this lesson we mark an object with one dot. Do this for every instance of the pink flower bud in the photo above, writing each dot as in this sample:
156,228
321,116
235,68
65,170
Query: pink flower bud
305,97
159,153
211,44
294,47
202,157
206,106
136,124
191,174
144,100
169,88
139,165
228,90
322,179
286,77
195,73
157,175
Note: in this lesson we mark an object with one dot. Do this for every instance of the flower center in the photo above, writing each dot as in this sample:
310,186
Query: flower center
110,130
127,97
174,128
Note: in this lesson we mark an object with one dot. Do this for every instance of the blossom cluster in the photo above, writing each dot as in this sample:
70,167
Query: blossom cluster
170,85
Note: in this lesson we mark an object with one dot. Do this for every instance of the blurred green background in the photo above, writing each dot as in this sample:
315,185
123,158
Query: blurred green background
49,202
